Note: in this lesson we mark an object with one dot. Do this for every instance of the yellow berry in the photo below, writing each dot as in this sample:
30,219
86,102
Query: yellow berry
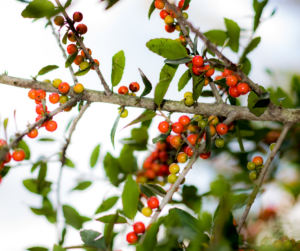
63,99
78,88
188,93
56,82
124,114
47,81
172,178
174,168
147,211
214,120
169,20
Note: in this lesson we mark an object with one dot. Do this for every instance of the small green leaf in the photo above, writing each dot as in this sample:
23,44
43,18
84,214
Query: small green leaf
22,144
46,139
246,67
32,186
225,43
207,94
114,128
178,61
156,189
95,156
147,83
195,45
222,83
198,84
146,115
37,249
151,9
82,185
130,197
113,169
107,204
73,218
186,3
42,176
281,99
5,122
69,163
233,31
217,37
109,229
90,238
47,69
239,138
71,59
251,46
65,39
38,9
208,138
273,12
4,171
58,248
257,105
118,65
107,219
83,72
167,48
161,137
110,3
146,191
68,3
258,8
185,78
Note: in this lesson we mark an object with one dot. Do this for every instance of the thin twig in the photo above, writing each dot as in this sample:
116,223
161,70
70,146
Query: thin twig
216,92
255,191
87,54
75,80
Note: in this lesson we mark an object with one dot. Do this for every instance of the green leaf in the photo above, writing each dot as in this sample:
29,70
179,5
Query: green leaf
167,48
146,115
37,249
82,185
71,59
68,3
38,9
217,37
32,186
112,169
195,45
239,138
140,135
58,248
95,156
185,78
186,3
83,72
47,69
22,144
208,138
221,82
127,160
178,61
107,204
207,93
118,65
110,3
246,68
63,235
65,39
257,105
69,163
73,218
251,46
46,139
151,9
107,219
4,171
258,8
156,189
114,128
233,31
130,197
42,176
89,236
147,83
109,229
161,137
145,190
5,123
166,75
198,84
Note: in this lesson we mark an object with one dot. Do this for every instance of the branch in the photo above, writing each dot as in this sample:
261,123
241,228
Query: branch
75,80
108,92
277,114
255,191
216,92
5,149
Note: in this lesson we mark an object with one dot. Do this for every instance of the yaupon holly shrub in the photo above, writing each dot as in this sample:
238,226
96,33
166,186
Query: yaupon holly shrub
204,130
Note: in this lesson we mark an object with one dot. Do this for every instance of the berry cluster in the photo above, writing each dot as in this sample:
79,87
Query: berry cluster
285,244
255,167
123,90
80,60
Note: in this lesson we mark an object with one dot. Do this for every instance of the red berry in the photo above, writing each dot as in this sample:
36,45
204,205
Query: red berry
222,129
176,141
2,143
170,28
181,3
40,94
233,92
177,127
132,237
192,138
31,94
78,60
226,73
159,4
243,88
168,139
81,28
134,87
162,146
163,14
77,17
71,49
153,202
209,72
139,228
205,155
39,109
123,90
258,161
148,162
33,134
184,120
18,155
54,98
164,170
163,127
163,156
37,101
197,70
150,174
155,166
51,126
7,158
154,154
189,151
40,117
64,87
232,80
198,61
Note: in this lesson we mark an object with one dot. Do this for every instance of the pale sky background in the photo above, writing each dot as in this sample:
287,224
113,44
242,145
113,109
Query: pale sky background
27,47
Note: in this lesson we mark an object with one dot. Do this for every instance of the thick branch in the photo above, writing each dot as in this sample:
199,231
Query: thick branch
223,110
75,80
255,191
87,54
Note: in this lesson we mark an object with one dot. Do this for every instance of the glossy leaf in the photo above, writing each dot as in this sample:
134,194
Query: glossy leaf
65,38
5,171
258,8
130,197
256,104
207,93
90,238
127,159
185,78
47,69
73,218
156,189
195,45
83,72
118,65
147,83
178,61
95,156
233,31
32,186
246,68
112,169
107,204
109,229
38,9
114,128
151,9
42,176
71,59
166,75
167,48
82,185
239,138
217,37
145,190
146,115
107,219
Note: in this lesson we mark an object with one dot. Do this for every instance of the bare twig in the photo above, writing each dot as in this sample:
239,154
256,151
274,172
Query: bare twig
75,80
215,92
255,191
108,92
